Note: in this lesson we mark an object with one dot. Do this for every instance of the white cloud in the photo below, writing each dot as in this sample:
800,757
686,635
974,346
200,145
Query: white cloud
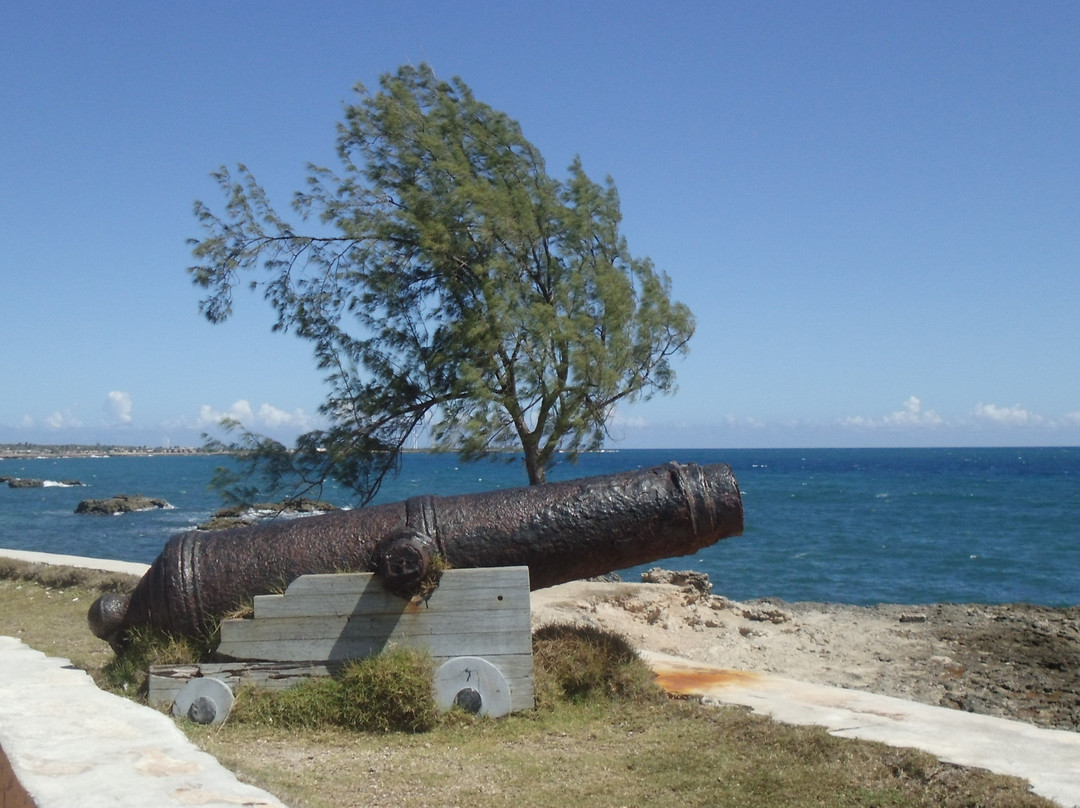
1009,416
858,422
617,419
118,408
273,417
239,411
912,415
266,417
60,420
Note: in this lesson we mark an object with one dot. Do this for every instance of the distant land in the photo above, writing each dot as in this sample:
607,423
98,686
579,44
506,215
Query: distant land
33,451
26,451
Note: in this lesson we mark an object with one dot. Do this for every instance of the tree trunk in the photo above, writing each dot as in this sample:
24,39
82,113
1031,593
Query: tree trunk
535,466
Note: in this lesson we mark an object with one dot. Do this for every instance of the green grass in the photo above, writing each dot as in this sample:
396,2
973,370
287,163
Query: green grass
391,692
601,753
46,607
128,672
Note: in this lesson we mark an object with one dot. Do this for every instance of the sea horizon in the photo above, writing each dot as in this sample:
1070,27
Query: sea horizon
845,524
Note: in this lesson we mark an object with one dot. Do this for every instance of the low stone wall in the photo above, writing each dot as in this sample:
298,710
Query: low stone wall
66,744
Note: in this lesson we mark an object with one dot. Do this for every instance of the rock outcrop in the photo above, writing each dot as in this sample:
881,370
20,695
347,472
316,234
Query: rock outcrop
122,503
244,515
28,482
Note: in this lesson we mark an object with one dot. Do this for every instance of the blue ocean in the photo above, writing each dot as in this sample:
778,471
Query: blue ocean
858,526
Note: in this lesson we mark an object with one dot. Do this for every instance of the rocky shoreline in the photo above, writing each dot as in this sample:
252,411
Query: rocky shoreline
36,451
1015,661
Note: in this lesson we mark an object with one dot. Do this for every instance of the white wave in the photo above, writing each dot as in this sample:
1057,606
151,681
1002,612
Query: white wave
274,513
169,507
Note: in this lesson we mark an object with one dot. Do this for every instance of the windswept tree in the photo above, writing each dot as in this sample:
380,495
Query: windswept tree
450,284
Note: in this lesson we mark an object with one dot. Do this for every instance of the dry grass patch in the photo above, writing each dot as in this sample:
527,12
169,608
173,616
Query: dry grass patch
576,663
45,606
603,754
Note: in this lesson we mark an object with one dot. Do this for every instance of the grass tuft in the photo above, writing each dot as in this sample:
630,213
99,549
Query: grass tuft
389,692
129,671
579,663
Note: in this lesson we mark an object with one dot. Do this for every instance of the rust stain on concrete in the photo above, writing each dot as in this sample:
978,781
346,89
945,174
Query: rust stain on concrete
699,681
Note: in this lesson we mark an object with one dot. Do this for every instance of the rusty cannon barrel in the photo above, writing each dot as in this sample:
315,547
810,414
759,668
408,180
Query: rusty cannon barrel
562,531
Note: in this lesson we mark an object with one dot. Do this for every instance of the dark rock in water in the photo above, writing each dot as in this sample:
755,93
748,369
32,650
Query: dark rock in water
224,523
122,503
17,482
244,515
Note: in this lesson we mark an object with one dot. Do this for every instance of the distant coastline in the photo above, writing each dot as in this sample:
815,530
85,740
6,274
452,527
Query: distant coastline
42,451
34,451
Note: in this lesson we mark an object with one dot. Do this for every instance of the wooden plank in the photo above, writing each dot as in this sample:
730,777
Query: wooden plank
452,580
167,680
505,588
330,626
388,626
380,602
357,647
332,618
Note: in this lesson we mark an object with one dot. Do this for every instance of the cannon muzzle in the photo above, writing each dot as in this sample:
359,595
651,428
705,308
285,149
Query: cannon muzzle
562,531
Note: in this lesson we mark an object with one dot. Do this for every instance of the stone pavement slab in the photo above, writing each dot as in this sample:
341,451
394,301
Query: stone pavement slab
1048,759
104,564
71,745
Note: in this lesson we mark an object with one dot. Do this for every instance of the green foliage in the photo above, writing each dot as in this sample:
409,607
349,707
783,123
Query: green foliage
578,663
128,672
447,282
389,692
311,704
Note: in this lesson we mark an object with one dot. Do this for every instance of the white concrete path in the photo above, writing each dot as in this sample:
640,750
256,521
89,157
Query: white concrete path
1048,759
104,564
71,745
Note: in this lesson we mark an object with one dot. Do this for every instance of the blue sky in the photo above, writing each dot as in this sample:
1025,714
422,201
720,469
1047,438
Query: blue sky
873,209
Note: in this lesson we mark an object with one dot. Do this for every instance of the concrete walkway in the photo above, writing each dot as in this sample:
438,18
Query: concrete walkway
103,564
1048,759
64,743
70,745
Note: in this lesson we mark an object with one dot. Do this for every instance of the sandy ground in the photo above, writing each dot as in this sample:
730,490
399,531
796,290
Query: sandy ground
1016,661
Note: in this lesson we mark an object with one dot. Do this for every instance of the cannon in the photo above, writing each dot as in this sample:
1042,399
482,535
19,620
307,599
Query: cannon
561,531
